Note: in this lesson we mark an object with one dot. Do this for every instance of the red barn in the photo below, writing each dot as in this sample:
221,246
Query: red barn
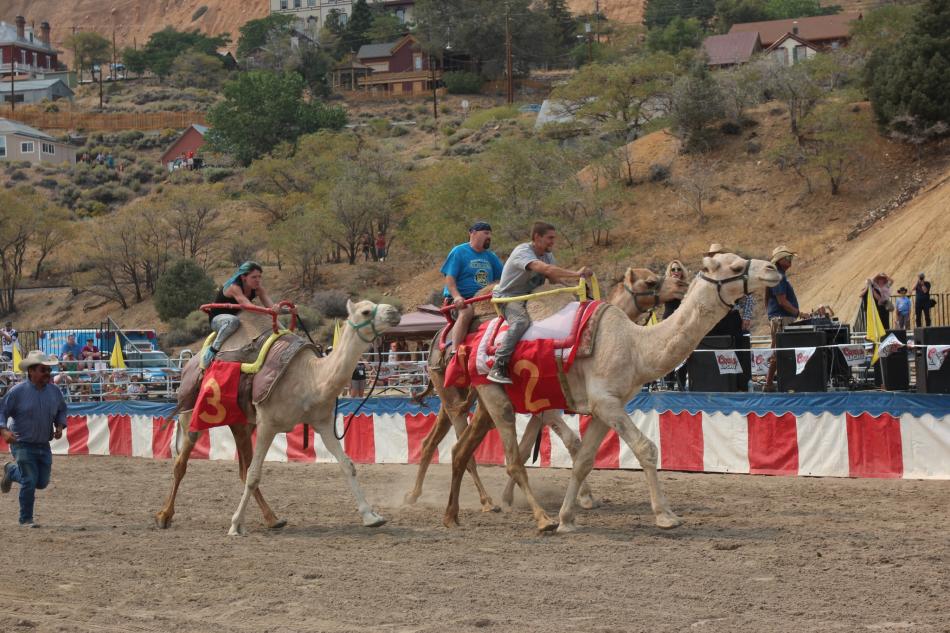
191,141
33,54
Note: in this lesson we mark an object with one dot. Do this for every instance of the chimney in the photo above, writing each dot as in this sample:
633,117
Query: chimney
44,33
20,27
795,27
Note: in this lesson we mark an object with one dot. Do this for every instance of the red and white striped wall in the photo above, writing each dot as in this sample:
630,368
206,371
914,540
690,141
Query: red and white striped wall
809,444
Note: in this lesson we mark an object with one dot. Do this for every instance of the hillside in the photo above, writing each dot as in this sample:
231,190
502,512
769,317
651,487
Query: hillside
629,11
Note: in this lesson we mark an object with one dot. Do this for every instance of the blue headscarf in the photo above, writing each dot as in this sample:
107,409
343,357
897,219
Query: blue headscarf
244,269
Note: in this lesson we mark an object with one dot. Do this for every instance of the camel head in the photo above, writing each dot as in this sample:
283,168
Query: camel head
736,276
649,289
371,319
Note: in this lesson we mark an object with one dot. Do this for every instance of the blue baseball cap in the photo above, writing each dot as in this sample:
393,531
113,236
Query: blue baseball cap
480,226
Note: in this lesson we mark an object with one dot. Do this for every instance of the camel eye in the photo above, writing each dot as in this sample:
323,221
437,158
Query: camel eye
651,283
365,312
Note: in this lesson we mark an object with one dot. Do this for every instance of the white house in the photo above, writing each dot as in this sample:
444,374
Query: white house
312,14
22,142
791,49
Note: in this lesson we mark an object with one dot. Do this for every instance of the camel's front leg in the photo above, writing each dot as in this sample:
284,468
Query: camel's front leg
163,518
245,451
583,462
265,436
524,450
469,440
614,415
585,498
501,411
370,518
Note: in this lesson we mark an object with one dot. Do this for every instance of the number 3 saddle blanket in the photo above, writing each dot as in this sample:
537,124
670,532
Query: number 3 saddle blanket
541,360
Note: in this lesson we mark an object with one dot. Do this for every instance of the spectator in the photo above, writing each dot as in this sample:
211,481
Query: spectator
136,389
71,347
90,353
190,158
110,161
68,362
366,246
381,247
902,304
782,305
393,353
922,301
880,288
358,381
8,337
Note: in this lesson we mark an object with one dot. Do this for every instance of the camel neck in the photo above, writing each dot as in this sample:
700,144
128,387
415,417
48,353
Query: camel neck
343,359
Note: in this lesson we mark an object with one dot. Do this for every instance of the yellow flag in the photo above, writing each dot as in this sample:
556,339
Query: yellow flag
653,320
336,333
17,357
875,328
116,360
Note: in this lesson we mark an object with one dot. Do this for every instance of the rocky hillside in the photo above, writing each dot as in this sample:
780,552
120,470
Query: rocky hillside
629,11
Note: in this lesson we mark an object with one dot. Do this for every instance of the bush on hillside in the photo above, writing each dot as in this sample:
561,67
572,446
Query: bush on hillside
461,82
331,303
187,330
184,286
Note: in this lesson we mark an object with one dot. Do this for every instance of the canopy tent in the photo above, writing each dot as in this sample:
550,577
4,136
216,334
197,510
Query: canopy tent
422,322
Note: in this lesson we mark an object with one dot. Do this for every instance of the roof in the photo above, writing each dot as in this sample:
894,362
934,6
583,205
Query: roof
201,129
14,127
33,84
817,28
8,36
790,36
418,322
371,51
731,48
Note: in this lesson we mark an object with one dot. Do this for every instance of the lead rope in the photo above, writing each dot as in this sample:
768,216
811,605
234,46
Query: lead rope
336,405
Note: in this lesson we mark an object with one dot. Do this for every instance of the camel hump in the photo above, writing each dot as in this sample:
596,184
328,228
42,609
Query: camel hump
543,307
253,326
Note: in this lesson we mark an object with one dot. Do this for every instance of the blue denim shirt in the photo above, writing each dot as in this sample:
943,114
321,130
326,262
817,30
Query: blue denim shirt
34,411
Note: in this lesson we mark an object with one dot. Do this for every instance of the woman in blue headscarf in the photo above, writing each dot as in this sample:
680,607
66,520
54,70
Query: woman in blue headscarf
240,289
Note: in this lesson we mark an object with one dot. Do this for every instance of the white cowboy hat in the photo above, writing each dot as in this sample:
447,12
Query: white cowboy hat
714,249
781,252
36,357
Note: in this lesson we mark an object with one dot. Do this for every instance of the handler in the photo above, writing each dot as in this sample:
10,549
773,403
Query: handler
240,289
39,415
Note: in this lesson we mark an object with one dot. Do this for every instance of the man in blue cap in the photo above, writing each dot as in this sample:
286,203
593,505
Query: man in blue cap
469,267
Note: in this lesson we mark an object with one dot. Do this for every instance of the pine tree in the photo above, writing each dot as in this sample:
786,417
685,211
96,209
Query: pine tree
357,27
563,20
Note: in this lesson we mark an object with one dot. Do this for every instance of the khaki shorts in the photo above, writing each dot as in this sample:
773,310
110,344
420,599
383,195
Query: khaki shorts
778,325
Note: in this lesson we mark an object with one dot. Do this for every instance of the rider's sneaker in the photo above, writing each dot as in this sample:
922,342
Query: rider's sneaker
499,374
208,356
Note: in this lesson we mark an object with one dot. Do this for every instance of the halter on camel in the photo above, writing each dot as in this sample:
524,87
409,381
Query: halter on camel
655,292
719,283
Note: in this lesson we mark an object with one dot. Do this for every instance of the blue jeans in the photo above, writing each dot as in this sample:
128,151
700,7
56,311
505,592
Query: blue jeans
34,463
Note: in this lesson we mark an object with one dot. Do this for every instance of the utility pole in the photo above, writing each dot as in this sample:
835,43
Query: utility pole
590,46
435,92
12,84
508,66
100,86
597,19
114,65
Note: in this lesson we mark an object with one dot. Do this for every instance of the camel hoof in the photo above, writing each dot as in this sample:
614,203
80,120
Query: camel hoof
550,526
450,522
587,502
490,507
373,520
278,524
410,499
237,531
566,528
162,521
668,521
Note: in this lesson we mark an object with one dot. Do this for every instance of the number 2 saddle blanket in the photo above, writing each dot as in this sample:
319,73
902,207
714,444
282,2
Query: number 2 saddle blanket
541,359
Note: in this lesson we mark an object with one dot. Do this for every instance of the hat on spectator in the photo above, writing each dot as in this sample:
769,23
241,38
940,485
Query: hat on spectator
36,357
714,249
480,226
902,290
780,253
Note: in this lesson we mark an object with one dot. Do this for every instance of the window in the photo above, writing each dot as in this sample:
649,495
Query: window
401,15
27,147
311,3
800,53
283,5
417,61
3,146
18,98
343,18
296,4
48,148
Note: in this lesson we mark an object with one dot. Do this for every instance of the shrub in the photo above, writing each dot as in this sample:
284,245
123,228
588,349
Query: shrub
184,286
330,303
184,331
200,11
308,317
17,176
462,82
659,173
48,183
479,118
217,174
377,297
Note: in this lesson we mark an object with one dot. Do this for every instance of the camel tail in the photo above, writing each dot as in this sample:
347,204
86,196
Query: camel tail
420,398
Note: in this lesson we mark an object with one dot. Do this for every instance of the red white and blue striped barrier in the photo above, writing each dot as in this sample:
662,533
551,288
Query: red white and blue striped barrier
863,434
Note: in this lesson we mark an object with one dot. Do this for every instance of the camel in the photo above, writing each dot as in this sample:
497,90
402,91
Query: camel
625,357
307,392
638,292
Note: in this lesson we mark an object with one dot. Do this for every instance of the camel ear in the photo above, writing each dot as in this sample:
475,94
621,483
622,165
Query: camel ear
710,264
349,306
737,266
630,276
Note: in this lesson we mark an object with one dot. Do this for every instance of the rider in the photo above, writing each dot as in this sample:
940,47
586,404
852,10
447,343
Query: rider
240,289
527,267
469,267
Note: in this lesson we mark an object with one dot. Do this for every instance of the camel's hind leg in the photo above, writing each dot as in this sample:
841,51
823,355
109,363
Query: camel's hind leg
265,436
469,440
163,518
370,518
245,451
524,452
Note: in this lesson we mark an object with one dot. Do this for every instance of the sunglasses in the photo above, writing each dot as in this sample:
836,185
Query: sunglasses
676,270
43,369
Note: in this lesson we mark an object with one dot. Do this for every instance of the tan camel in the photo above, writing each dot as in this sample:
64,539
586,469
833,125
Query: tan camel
625,357
639,291
307,392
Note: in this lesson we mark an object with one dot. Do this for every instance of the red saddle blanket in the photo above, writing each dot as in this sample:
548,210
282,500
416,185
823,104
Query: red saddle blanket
537,365
217,403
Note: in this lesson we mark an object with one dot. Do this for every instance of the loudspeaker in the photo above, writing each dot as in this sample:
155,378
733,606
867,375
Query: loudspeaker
895,369
838,368
931,381
703,369
814,376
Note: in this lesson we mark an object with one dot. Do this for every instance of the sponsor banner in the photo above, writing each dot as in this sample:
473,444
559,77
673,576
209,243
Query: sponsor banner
853,354
802,356
760,361
936,355
889,345
728,362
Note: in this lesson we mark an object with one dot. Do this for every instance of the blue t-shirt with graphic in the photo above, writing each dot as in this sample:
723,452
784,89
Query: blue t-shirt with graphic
782,288
903,305
472,270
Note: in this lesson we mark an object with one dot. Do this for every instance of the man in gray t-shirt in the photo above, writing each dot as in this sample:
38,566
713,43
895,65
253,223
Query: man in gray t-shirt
526,269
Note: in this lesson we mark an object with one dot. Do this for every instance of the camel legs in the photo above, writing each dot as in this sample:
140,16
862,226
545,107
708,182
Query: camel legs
469,440
265,436
583,462
431,444
163,518
245,451
571,442
370,518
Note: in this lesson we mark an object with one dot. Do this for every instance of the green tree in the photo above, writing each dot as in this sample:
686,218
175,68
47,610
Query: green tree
135,61
794,85
357,27
659,13
262,109
832,143
89,48
25,218
729,12
315,65
255,33
197,70
676,36
911,78
385,27
181,289
164,46
697,101
565,26
882,28
787,9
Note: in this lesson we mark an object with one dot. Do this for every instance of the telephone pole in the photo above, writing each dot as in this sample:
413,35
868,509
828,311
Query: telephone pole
508,65
12,84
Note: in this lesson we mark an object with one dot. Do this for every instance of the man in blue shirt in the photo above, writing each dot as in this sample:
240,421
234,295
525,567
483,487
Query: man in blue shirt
71,347
469,267
782,304
38,414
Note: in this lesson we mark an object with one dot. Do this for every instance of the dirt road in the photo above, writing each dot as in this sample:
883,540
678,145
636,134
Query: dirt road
755,554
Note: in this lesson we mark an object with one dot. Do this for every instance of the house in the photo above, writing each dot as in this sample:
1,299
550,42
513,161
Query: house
823,32
25,52
398,68
791,49
34,90
312,14
731,49
22,142
190,141
346,74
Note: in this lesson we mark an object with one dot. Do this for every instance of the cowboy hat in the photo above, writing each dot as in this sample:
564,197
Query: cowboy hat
36,357
714,249
781,252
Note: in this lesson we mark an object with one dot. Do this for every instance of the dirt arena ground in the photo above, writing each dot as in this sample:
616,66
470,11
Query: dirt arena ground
755,554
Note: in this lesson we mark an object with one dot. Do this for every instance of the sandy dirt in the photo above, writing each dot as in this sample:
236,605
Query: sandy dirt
755,554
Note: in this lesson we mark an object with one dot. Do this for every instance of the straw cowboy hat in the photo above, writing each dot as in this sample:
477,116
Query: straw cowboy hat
780,253
36,357
714,249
